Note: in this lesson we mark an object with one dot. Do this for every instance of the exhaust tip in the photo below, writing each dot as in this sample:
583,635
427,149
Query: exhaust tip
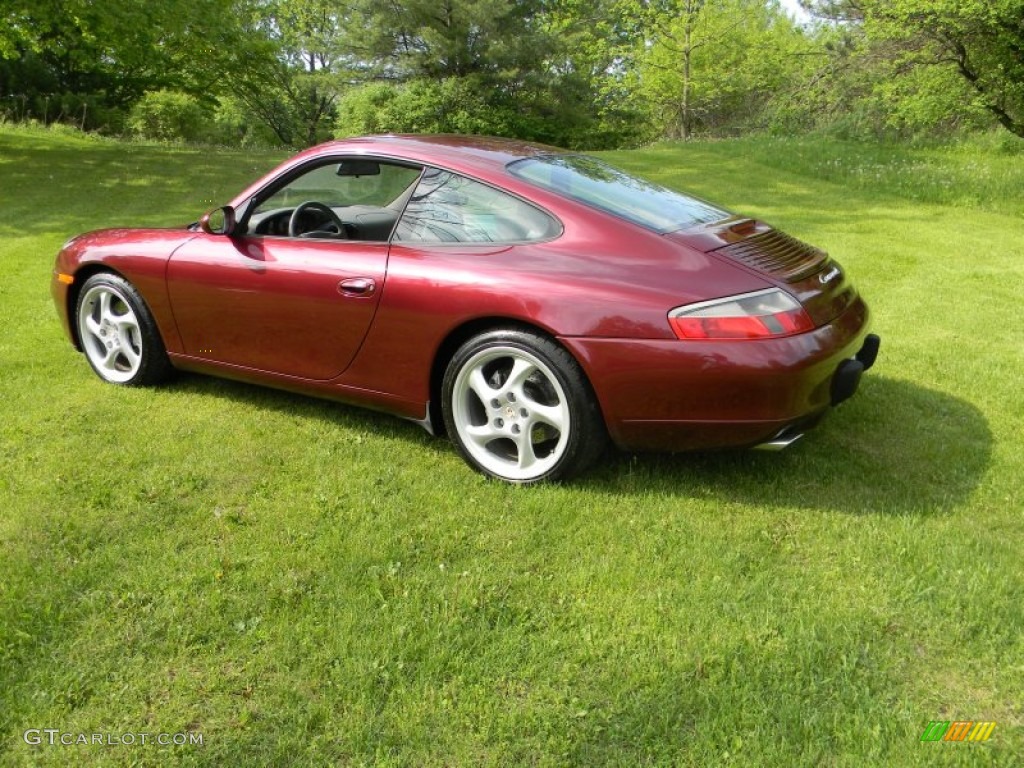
779,442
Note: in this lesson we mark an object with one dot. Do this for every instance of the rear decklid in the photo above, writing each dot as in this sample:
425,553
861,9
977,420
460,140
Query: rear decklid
806,272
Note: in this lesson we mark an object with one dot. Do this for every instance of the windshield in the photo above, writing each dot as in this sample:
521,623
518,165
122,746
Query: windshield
598,184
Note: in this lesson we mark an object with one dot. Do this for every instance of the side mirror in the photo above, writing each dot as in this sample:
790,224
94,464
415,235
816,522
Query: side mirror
219,221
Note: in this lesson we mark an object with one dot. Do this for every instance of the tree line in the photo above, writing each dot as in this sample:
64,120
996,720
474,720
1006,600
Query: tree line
578,73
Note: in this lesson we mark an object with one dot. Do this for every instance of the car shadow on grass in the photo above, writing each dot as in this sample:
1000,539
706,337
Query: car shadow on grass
301,406
896,447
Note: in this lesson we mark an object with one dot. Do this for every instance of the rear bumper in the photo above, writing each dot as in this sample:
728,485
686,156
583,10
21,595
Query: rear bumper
672,395
846,379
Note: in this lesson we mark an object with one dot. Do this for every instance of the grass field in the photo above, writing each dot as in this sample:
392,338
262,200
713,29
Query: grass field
304,583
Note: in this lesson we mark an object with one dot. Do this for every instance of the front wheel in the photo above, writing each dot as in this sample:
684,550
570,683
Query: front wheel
118,334
518,407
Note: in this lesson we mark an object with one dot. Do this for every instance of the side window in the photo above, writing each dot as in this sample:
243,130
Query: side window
447,208
341,183
344,199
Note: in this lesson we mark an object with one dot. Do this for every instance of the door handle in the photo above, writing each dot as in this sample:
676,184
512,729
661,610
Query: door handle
357,286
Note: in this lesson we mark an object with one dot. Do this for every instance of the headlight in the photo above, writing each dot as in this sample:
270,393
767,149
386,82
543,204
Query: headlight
766,314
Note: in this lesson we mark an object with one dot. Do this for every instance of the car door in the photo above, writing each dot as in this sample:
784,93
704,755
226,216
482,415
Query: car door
292,306
284,301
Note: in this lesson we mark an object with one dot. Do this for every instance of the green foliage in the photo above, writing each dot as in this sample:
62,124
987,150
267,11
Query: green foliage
926,98
285,68
455,105
590,58
920,66
485,67
502,41
711,66
450,105
113,52
234,125
169,116
582,73
294,105
83,111
981,41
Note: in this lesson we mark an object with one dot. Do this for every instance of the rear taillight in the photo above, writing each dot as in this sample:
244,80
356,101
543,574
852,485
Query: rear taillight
761,315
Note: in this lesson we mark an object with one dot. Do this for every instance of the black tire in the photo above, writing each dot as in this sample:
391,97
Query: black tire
519,408
117,333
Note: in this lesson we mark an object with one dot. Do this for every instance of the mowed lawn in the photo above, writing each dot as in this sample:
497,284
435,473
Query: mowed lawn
305,583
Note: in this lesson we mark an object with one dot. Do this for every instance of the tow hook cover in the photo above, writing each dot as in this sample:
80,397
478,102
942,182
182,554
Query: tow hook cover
846,380
869,351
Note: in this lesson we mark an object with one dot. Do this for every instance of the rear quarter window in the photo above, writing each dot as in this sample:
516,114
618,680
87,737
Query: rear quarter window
449,208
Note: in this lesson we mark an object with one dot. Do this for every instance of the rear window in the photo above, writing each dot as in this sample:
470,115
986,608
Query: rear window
600,185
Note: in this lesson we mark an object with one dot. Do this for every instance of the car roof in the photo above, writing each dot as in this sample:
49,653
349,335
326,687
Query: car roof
453,150
484,157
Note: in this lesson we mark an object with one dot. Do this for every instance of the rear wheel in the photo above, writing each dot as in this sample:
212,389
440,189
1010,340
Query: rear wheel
519,408
118,334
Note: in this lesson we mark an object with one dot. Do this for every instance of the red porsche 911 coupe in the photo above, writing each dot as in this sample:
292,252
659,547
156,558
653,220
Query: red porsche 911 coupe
533,303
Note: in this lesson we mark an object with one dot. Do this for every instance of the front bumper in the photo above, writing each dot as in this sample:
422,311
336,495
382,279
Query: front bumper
673,395
59,291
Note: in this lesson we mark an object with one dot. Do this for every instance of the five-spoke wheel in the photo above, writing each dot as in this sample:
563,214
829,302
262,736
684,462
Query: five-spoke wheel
519,408
118,334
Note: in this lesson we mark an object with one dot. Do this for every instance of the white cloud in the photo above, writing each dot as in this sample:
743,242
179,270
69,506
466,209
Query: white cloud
792,7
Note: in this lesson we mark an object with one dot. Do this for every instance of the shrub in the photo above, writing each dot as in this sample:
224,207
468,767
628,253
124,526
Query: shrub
451,105
169,116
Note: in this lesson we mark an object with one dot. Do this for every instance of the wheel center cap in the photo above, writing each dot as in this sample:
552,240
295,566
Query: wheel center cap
510,413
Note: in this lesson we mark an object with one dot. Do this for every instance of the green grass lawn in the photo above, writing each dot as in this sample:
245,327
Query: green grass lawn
305,583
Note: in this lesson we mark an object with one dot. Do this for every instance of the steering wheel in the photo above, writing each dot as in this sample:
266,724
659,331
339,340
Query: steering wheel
313,205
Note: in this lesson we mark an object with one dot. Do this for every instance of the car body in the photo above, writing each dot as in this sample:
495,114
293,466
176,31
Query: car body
434,277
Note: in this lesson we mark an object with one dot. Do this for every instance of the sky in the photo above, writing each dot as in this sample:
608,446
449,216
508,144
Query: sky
792,7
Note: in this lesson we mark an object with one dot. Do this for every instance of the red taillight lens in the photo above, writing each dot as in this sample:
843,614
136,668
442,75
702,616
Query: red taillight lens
761,315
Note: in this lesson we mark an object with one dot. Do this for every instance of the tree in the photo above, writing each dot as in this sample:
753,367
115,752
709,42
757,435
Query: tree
500,39
983,40
929,45
707,64
590,59
484,65
286,70
107,54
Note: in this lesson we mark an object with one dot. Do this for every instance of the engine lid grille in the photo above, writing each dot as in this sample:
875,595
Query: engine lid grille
777,254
